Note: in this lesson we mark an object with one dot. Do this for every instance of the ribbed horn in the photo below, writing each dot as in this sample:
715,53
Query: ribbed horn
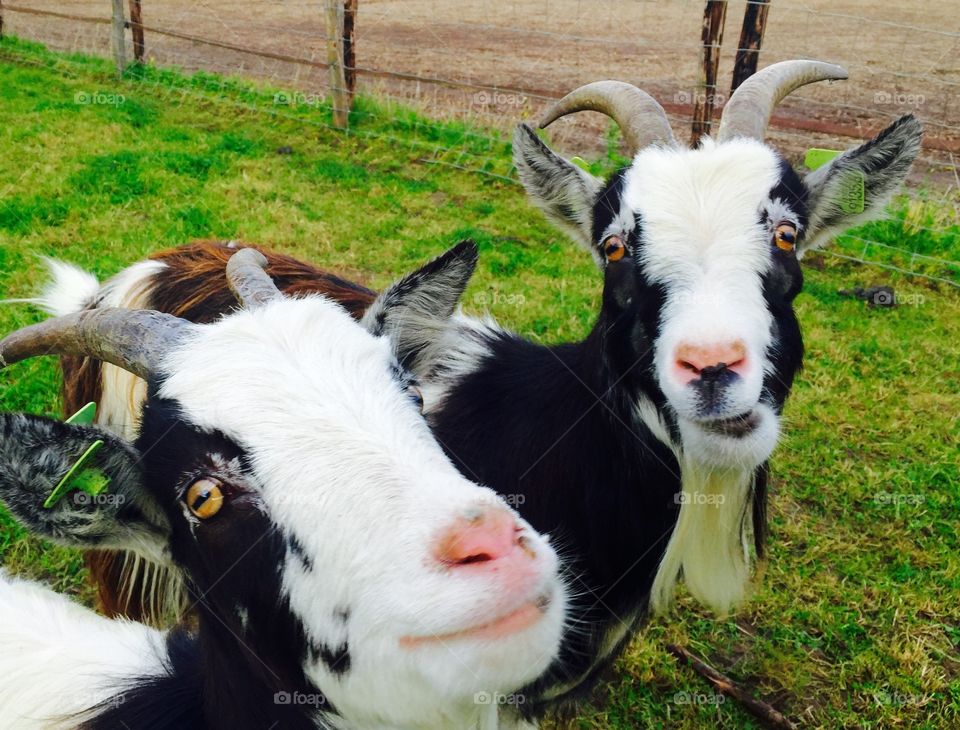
135,340
748,111
640,117
248,279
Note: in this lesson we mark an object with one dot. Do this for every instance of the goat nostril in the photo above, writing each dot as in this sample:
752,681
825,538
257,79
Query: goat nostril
684,365
479,536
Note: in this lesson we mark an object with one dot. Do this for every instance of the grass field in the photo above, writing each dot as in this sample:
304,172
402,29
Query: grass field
856,620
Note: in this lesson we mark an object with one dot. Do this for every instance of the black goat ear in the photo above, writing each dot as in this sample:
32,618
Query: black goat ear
415,311
565,193
37,453
856,186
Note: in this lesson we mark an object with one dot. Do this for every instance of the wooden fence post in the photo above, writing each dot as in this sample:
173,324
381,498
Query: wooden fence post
350,48
338,82
136,30
119,31
751,37
714,15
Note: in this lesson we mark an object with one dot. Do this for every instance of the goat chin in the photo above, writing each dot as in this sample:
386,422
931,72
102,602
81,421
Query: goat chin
710,545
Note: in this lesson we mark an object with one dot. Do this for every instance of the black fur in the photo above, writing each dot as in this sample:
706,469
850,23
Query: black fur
229,673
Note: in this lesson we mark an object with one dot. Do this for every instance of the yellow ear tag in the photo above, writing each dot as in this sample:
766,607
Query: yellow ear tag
87,479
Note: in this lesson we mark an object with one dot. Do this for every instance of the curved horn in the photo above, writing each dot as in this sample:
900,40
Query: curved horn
134,340
248,279
640,117
748,111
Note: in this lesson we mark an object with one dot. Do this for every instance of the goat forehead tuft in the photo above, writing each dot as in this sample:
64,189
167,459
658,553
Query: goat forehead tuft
703,208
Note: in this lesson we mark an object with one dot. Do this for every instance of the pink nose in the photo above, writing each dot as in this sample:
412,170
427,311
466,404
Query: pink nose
491,533
692,359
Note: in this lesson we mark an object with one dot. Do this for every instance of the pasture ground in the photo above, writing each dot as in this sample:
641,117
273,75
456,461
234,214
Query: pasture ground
856,619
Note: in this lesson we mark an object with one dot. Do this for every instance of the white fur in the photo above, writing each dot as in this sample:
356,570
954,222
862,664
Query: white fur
340,450
58,658
704,243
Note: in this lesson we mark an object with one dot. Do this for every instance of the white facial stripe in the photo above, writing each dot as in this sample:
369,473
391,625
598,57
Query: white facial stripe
346,465
703,241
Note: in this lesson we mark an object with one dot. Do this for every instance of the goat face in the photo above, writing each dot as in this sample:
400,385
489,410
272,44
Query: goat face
701,255
284,467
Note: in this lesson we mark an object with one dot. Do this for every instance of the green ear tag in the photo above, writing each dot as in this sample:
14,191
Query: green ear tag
852,192
89,480
85,416
817,157
581,163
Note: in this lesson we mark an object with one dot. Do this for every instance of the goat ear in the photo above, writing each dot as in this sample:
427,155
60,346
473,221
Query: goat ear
36,453
564,192
415,311
856,186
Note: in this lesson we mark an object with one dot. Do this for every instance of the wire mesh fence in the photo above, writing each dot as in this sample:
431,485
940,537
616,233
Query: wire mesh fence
492,63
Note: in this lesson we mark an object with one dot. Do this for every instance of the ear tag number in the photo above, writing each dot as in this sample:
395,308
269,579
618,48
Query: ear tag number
80,476
852,192
817,157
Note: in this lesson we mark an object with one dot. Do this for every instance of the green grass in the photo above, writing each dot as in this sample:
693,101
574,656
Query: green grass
856,621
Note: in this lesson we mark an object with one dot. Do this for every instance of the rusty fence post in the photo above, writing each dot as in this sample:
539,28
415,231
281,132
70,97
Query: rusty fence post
136,30
350,48
751,38
117,36
714,15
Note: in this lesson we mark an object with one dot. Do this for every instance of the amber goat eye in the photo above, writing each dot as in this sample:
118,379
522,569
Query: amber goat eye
205,497
785,236
614,248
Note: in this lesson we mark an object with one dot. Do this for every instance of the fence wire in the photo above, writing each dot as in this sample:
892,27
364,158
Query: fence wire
492,63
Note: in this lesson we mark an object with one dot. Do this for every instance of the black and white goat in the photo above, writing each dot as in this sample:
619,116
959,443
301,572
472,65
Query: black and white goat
642,449
344,573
